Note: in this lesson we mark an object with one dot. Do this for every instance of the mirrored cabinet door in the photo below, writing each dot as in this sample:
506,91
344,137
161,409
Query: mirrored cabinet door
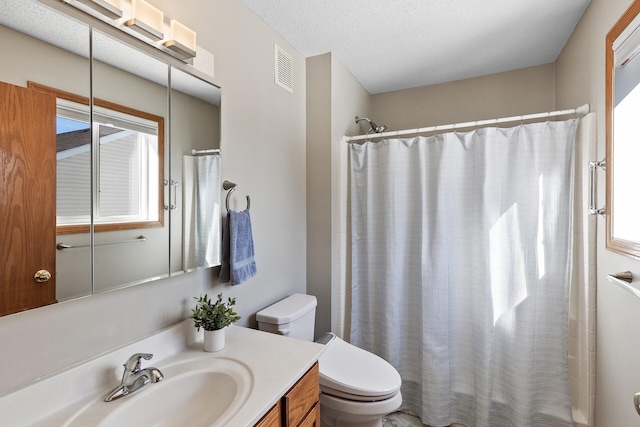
45,159
101,189
130,111
195,173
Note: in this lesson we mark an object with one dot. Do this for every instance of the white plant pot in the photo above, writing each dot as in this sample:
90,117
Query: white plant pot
214,340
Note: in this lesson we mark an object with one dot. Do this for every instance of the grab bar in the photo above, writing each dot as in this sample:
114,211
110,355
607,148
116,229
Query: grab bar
231,186
61,246
593,187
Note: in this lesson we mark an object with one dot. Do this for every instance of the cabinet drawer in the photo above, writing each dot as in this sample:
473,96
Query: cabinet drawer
313,418
271,418
302,397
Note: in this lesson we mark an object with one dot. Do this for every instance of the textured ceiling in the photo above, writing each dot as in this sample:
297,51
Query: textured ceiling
398,44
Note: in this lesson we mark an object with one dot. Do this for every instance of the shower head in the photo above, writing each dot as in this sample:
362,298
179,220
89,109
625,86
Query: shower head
374,127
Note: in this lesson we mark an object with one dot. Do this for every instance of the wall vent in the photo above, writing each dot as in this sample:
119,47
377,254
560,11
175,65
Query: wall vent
284,69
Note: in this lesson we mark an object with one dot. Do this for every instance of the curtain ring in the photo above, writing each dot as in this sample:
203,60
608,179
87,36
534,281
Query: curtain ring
368,138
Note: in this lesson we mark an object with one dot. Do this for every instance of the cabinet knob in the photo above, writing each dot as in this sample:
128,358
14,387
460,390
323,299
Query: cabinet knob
42,276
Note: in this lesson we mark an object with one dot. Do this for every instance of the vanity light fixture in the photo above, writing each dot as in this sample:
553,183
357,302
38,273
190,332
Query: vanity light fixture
182,41
145,22
109,8
146,19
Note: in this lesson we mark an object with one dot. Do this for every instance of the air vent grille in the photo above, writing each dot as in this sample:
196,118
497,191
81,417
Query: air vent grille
284,69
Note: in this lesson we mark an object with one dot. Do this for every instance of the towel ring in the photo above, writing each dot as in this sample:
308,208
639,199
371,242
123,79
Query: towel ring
230,187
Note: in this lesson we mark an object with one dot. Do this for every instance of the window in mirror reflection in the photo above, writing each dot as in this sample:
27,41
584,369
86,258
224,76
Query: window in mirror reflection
73,170
128,166
129,160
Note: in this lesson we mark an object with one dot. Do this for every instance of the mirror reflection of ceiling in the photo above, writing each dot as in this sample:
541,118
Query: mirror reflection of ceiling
42,22
190,85
121,55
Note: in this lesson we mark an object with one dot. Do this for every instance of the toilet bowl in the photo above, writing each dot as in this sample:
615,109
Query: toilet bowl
357,388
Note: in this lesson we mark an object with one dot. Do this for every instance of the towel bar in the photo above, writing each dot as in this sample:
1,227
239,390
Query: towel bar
61,246
230,187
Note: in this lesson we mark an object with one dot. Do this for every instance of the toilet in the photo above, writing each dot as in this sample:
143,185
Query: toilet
357,388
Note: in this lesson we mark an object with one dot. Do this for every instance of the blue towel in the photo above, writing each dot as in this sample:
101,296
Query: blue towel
238,262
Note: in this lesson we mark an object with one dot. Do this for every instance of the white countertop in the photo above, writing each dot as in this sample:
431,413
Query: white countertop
275,363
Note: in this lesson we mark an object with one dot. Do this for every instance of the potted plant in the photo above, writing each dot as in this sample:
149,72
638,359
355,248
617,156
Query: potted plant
214,317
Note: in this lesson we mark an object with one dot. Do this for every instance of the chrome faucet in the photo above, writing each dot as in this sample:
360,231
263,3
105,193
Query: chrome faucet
134,378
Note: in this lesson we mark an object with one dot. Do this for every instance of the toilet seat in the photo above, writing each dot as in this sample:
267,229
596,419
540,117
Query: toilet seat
351,373
349,408
354,397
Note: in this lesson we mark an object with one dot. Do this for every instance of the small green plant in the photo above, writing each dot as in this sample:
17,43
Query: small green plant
213,316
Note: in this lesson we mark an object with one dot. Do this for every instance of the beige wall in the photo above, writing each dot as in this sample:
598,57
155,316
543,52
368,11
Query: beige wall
263,145
334,98
529,90
319,97
349,99
580,79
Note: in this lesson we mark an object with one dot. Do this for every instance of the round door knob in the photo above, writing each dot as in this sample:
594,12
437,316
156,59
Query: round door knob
42,276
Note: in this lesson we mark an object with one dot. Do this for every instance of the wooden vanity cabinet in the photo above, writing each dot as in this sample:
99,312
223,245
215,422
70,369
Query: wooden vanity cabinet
300,406
301,400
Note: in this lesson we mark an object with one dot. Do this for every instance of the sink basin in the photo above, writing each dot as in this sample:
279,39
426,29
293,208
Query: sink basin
197,393
196,399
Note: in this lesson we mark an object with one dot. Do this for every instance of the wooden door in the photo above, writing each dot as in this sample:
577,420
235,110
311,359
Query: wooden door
27,197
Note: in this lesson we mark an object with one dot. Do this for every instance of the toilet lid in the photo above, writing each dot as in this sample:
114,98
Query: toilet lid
354,371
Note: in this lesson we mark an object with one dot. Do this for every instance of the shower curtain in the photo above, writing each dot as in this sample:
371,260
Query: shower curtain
461,247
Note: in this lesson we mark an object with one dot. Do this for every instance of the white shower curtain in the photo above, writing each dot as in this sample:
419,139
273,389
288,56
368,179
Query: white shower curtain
202,211
460,278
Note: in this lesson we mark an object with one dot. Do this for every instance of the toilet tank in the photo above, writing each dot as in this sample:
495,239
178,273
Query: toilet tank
293,316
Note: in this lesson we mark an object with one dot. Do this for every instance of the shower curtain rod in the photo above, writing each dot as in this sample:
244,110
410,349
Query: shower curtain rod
581,111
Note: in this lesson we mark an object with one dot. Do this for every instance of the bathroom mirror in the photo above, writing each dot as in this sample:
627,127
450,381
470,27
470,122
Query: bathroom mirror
195,176
622,145
110,225
131,231
45,46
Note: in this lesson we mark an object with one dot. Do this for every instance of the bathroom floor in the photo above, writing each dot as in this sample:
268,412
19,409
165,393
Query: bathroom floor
400,419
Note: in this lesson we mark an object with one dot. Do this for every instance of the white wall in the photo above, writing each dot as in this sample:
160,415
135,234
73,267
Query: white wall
580,79
263,145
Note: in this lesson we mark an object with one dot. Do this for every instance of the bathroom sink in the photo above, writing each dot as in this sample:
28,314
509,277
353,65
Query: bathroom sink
205,391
